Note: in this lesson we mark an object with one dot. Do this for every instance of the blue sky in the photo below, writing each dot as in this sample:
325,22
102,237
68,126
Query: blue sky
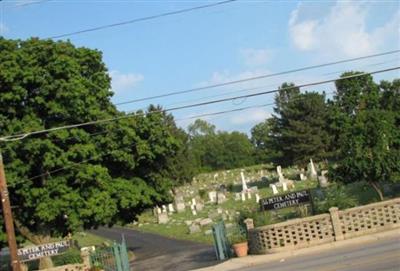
228,42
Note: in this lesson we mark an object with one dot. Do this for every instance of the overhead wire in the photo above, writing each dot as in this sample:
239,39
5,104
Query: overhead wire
147,18
257,77
24,135
187,118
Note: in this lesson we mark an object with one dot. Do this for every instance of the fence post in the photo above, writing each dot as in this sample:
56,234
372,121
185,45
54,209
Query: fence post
337,228
85,255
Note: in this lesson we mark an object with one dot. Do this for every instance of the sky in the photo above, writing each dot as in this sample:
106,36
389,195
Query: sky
233,41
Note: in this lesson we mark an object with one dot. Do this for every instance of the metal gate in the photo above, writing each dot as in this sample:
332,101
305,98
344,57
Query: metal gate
221,243
113,258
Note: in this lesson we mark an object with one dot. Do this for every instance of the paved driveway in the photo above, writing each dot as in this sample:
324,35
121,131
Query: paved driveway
158,253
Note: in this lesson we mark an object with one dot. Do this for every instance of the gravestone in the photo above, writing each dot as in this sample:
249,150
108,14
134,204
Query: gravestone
221,198
164,209
284,185
199,206
323,180
237,196
248,195
302,177
171,208
212,195
179,203
257,198
205,222
194,228
162,218
243,195
280,175
274,189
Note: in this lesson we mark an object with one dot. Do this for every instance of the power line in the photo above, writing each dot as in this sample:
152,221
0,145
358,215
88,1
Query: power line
187,118
147,18
275,84
257,77
24,135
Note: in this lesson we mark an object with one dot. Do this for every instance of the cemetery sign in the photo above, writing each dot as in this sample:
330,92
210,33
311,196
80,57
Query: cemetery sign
44,250
286,200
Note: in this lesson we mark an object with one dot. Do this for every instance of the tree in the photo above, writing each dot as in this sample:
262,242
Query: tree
113,171
370,139
297,130
218,150
262,139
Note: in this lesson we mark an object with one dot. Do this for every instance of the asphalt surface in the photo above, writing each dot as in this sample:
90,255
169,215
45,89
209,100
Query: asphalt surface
382,255
158,253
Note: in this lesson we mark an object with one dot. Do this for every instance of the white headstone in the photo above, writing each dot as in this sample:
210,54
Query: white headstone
274,189
164,209
244,184
212,195
257,198
302,177
158,210
249,195
162,218
280,175
171,208
243,196
284,186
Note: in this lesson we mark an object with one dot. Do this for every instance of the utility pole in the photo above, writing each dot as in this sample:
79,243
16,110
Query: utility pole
8,219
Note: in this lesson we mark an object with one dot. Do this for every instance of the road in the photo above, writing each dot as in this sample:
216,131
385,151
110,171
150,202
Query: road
158,253
382,255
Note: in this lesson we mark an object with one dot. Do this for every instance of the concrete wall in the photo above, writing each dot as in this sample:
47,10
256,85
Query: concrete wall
325,228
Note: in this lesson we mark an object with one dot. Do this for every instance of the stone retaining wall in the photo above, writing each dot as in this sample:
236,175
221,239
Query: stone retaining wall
325,228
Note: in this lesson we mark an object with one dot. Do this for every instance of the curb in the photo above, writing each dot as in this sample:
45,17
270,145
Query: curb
252,260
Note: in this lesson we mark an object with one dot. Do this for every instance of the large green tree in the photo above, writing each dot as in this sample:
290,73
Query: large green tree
367,127
298,129
111,171
214,150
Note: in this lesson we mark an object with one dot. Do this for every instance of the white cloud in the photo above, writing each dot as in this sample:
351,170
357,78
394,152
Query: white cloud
3,29
122,82
220,77
251,116
255,57
343,31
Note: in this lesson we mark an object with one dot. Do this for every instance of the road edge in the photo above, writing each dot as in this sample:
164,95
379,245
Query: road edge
253,260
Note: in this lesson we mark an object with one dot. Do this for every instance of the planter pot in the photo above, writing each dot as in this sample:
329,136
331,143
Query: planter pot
241,249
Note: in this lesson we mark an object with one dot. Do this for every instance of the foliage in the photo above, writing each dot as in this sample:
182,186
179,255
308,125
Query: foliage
297,131
113,171
236,235
369,137
71,256
335,195
219,150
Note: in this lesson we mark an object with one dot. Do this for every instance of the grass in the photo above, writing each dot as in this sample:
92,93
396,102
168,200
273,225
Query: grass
176,228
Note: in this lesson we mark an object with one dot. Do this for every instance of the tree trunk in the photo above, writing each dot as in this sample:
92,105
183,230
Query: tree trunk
36,239
377,189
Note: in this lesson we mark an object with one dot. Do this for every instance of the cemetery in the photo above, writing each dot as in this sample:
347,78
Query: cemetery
264,193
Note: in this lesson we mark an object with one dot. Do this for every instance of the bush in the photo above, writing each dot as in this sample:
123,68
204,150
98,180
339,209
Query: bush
72,256
260,218
237,235
335,196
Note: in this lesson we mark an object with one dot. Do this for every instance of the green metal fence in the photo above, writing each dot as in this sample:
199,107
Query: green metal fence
221,243
113,258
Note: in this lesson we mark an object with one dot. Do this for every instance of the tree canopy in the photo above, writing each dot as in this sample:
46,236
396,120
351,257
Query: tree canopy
111,171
